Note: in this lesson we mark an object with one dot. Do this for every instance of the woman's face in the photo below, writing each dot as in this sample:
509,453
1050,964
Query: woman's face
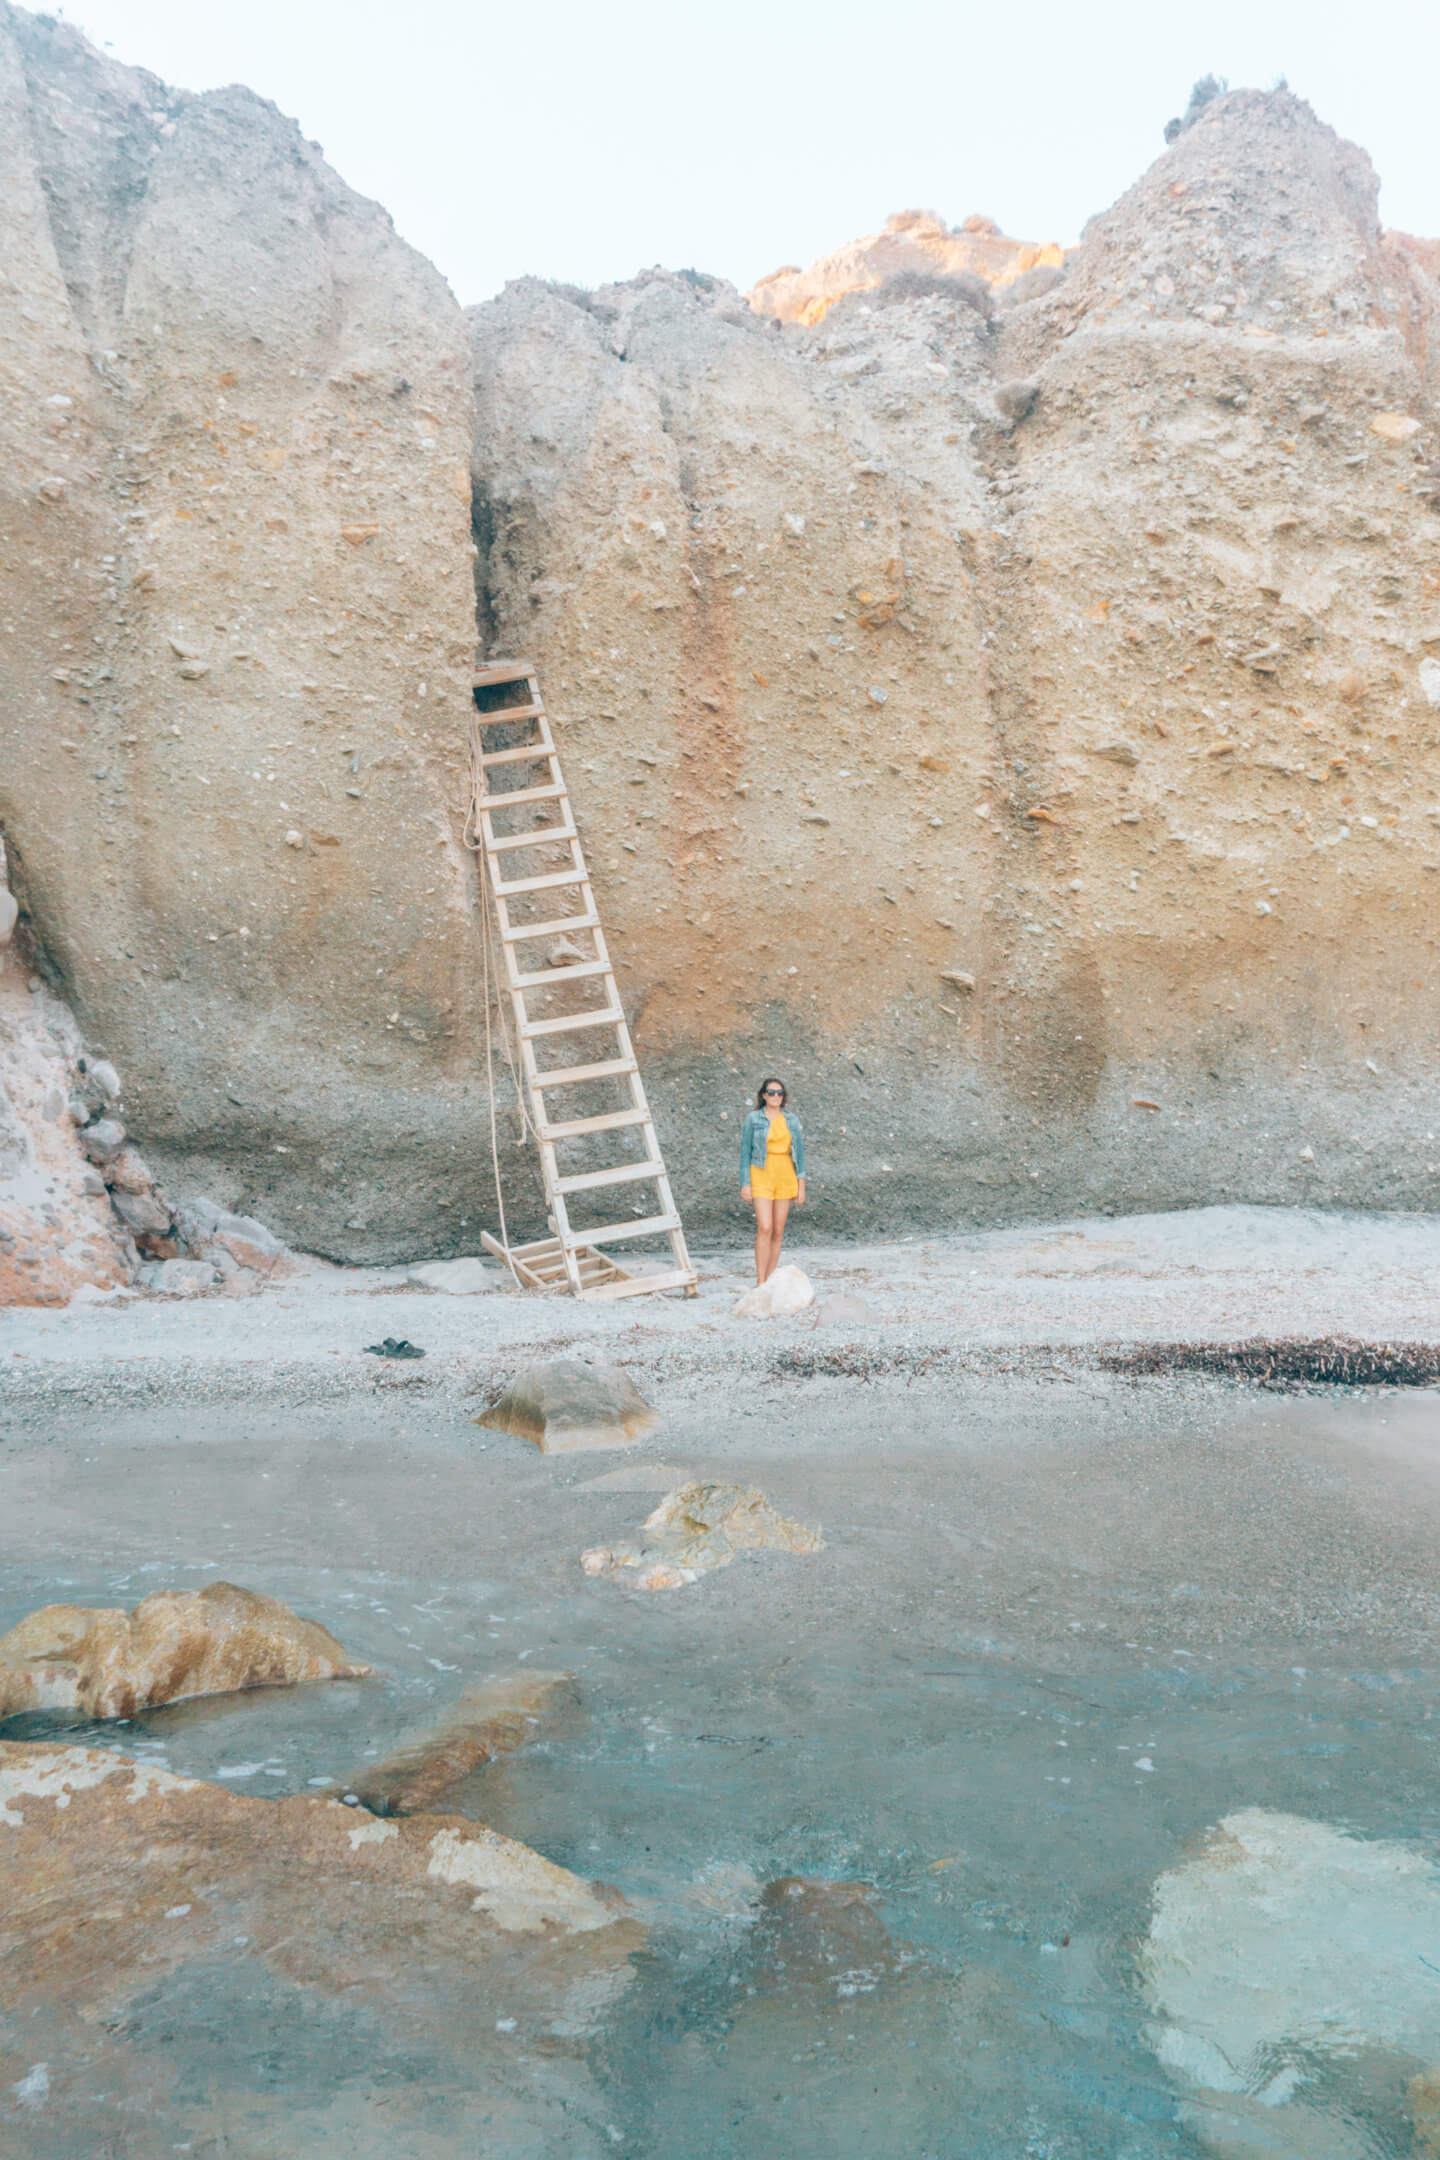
774,1098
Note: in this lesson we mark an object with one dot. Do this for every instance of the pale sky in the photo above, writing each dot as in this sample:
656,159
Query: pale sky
584,141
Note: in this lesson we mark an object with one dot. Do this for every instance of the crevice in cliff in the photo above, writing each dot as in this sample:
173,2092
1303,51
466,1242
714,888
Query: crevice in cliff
482,532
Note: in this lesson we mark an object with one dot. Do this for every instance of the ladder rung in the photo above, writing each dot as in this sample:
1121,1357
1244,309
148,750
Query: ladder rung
643,1226
548,793
568,1075
638,1285
502,715
611,1121
501,671
515,757
517,933
561,974
542,836
542,884
630,1173
572,1023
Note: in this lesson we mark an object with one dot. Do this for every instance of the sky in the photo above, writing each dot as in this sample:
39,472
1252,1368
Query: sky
584,140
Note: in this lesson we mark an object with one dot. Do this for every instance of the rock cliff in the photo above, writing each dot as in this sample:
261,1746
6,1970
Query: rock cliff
1006,704
238,625
1016,723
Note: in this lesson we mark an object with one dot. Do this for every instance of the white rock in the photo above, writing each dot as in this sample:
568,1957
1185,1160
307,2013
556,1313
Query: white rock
103,1073
457,1278
1430,681
9,914
788,1291
1284,1935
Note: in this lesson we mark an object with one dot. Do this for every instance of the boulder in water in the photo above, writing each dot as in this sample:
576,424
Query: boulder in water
176,1643
568,1403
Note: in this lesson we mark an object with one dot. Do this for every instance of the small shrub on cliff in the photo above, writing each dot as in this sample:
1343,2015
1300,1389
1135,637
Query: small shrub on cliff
1208,87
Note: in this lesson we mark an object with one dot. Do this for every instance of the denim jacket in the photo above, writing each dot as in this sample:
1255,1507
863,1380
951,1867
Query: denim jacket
755,1140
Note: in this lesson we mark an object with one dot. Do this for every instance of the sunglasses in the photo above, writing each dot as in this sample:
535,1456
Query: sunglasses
776,1091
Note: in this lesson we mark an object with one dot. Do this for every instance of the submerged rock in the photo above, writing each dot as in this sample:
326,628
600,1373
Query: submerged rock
813,1928
490,1720
346,1954
1278,1945
176,1643
569,1403
698,1527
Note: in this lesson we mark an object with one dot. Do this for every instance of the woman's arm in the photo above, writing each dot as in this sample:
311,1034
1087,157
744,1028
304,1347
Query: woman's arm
745,1154
797,1147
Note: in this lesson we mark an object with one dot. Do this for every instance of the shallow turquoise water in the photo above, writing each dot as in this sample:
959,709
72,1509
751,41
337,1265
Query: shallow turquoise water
971,1767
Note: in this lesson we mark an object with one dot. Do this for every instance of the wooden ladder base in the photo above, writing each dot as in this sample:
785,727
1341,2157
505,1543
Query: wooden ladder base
540,1265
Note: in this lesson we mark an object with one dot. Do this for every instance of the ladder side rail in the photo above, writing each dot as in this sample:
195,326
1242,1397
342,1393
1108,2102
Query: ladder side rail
587,1270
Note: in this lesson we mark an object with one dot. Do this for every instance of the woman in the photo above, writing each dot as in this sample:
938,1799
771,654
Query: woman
772,1171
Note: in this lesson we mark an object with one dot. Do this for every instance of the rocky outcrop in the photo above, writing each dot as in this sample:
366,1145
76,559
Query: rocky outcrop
58,1234
358,1962
175,1644
916,248
81,1211
239,627
1018,728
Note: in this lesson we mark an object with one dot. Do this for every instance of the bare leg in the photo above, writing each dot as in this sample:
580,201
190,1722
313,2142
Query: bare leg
764,1211
779,1209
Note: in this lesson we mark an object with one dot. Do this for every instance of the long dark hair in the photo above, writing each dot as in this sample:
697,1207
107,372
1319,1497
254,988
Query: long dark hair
771,1081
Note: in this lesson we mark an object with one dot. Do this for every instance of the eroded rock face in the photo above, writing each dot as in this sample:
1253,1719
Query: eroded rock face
346,1953
58,1234
999,726
176,1643
235,519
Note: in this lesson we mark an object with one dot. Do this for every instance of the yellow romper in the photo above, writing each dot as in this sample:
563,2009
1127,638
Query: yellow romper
777,1180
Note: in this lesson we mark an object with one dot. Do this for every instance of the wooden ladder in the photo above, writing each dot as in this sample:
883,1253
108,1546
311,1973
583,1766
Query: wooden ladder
528,903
